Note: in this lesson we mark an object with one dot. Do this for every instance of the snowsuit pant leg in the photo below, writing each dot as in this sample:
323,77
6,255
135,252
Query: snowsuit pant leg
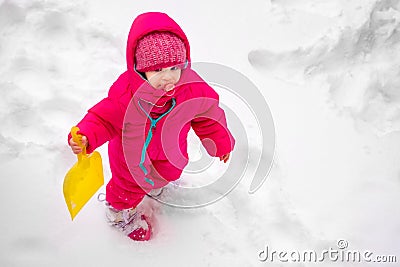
123,197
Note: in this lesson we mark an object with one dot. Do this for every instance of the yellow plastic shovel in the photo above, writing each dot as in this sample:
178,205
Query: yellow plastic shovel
84,178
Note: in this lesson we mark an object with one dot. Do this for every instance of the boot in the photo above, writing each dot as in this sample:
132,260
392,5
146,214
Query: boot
130,222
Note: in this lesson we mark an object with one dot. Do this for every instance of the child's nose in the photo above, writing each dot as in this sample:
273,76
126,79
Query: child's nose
167,75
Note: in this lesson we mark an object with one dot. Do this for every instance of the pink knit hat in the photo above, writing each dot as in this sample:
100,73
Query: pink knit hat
159,50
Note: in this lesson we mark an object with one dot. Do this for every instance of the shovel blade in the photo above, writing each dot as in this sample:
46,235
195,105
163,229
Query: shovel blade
82,181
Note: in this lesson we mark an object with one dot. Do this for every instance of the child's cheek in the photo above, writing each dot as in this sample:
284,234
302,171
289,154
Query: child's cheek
153,80
177,76
153,83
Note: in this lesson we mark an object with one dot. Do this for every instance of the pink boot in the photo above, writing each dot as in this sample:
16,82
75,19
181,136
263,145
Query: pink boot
130,222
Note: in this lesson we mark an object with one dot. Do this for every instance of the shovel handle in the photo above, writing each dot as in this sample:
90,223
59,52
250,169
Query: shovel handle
78,139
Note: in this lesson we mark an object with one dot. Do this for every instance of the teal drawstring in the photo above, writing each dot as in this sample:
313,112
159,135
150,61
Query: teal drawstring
149,136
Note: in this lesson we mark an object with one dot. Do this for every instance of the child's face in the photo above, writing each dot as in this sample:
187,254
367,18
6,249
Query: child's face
164,79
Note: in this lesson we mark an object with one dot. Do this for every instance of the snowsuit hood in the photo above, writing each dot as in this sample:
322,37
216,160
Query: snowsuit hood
143,25
147,23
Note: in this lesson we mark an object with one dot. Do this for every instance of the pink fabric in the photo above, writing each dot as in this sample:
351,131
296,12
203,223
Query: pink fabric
159,50
119,119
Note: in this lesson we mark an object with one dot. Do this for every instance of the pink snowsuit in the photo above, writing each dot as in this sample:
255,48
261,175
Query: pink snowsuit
148,143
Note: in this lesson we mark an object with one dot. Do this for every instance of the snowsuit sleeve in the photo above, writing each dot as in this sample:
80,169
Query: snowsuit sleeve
211,127
101,124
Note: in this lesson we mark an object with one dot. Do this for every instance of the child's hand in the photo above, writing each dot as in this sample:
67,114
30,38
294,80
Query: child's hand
225,157
75,147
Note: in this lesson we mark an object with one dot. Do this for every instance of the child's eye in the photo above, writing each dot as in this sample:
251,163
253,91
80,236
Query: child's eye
175,68
157,70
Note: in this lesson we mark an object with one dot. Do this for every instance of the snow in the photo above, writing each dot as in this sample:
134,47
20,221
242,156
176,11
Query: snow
329,71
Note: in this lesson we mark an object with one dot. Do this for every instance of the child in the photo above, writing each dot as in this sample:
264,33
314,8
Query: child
146,118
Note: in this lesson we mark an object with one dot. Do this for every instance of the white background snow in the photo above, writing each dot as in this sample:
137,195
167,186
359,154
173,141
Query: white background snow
329,70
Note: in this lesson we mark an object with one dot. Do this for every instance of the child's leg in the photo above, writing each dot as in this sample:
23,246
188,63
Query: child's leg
166,171
120,198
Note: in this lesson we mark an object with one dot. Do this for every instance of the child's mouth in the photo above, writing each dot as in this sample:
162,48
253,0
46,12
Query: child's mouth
168,87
